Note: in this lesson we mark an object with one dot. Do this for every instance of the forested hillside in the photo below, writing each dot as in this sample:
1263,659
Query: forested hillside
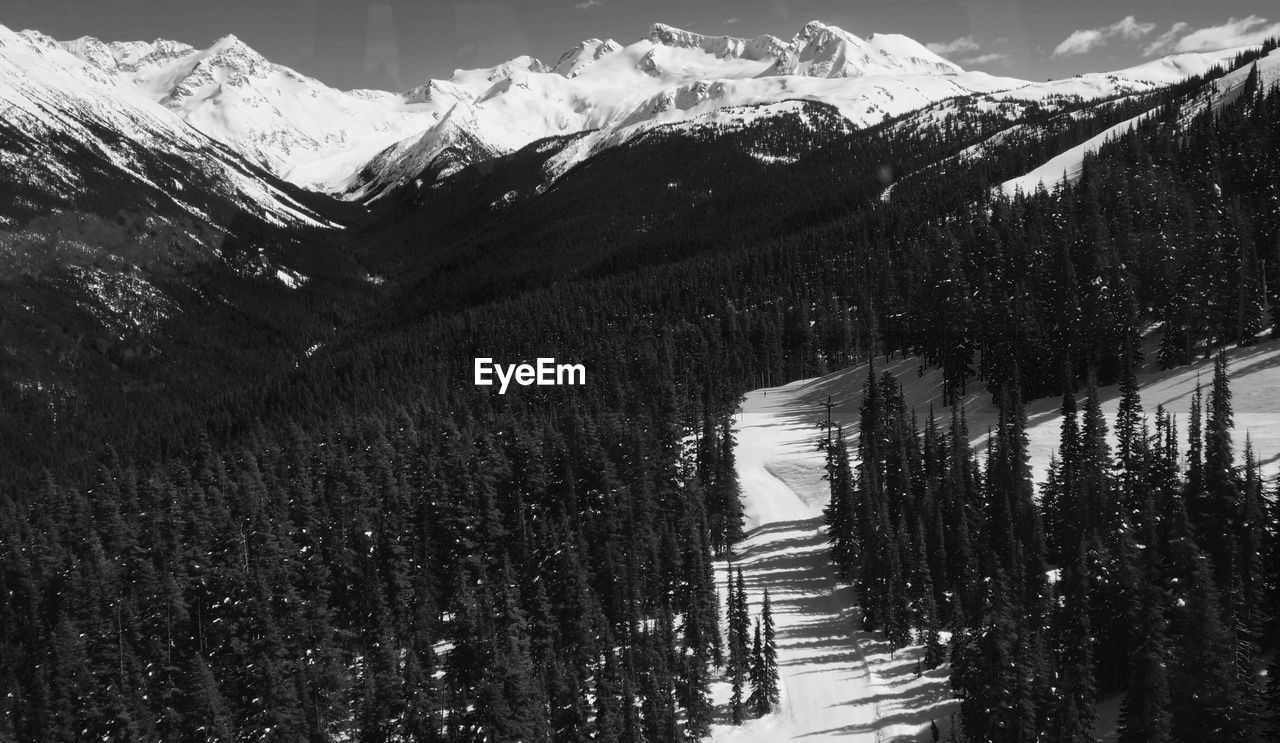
358,544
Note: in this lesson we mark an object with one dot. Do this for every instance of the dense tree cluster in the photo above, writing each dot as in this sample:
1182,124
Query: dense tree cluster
495,575
1137,572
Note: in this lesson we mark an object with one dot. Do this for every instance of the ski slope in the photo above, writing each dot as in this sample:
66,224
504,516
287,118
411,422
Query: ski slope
839,683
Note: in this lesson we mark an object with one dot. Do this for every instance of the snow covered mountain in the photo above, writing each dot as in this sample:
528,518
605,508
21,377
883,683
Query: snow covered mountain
296,127
67,129
606,94
600,94
673,76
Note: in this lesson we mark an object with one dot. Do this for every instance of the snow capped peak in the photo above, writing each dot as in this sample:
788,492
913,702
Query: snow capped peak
74,93
824,50
232,54
661,33
125,56
294,126
134,55
37,39
436,91
907,49
92,50
815,28
578,58
756,49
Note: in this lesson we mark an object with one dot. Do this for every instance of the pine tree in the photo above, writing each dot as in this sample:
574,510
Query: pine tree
985,672
695,694
1077,696
737,652
1129,434
610,698
1203,685
1145,716
769,653
1217,515
758,701
839,514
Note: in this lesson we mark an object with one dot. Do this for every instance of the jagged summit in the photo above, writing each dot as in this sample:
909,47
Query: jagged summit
824,50
583,55
818,50
759,48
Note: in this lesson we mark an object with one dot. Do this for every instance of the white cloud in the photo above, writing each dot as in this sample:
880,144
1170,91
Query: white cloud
1083,40
730,21
1166,40
955,46
1079,42
1249,31
588,4
1131,28
982,59
967,50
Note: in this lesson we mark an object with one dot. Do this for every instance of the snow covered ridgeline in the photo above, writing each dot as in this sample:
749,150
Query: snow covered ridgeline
367,142
671,77
679,78
318,137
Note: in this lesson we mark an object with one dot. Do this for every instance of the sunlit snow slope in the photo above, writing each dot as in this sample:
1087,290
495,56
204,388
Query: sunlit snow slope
839,683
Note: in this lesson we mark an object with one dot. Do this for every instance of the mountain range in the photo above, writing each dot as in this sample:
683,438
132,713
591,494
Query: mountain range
361,144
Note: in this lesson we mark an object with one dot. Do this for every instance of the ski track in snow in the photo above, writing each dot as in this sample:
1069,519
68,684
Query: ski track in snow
841,683
837,682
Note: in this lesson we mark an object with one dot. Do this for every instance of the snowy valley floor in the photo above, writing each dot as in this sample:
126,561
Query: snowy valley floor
839,683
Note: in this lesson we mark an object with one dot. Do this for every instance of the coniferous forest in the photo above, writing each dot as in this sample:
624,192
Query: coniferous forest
360,545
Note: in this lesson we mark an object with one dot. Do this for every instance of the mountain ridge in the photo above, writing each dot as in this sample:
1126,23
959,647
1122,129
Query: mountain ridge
362,144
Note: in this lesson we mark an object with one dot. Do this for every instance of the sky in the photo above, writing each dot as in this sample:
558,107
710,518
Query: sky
398,44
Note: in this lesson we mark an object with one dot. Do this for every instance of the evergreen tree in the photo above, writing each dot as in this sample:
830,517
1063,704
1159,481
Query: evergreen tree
1076,714
1203,685
1145,716
738,653
758,701
1217,510
839,514
769,654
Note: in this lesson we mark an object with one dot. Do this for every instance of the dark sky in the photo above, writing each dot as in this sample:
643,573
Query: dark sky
396,44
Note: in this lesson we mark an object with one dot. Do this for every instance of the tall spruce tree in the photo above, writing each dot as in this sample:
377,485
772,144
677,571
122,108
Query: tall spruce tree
1146,716
1218,509
1076,709
769,654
